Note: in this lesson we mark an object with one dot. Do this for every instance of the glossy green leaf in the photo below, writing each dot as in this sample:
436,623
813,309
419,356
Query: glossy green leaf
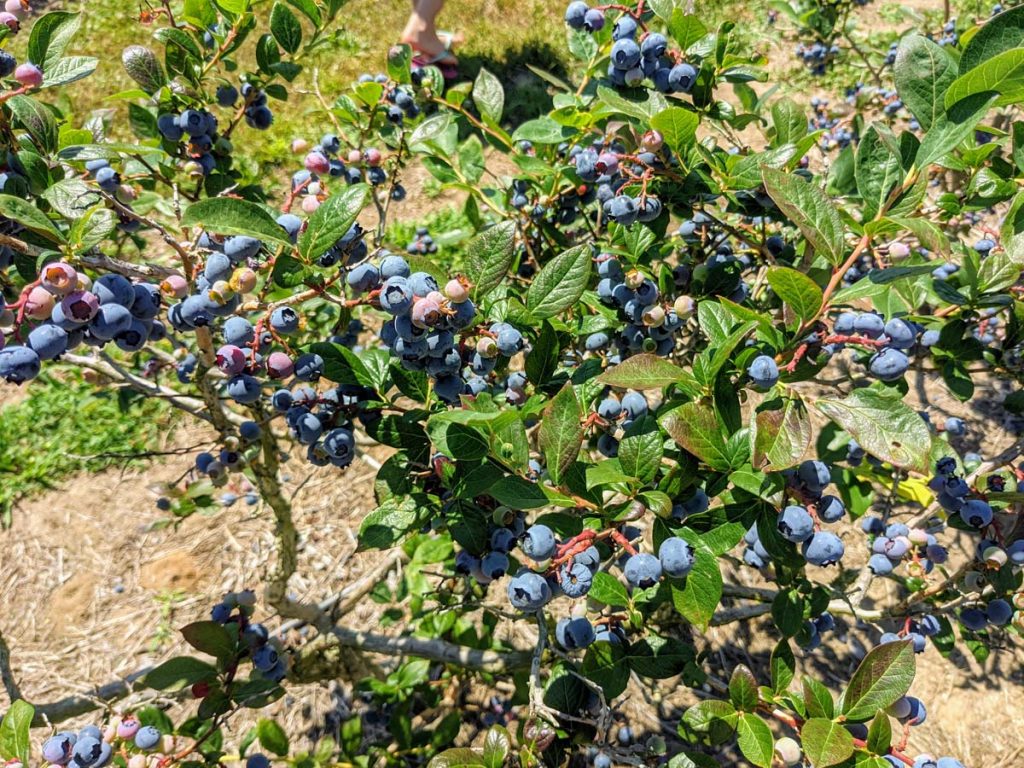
825,742
15,738
179,672
647,371
230,216
332,220
1002,74
922,72
490,256
797,290
285,27
561,432
809,208
560,284
755,740
882,677
489,96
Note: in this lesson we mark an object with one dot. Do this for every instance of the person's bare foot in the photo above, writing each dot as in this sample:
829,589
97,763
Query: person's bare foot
424,40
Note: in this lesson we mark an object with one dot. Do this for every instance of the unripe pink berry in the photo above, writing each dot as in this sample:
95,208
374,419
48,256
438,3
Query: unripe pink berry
317,162
425,313
39,303
128,727
607,162
137,761
29,75
899,250
684,306
174,287
299,145
80,306
244,280
58,278
10,21
15,7
652,141
110,732
314,188
372,156
279,365
84,282
231,359
354,156
918,536
456,291
310,203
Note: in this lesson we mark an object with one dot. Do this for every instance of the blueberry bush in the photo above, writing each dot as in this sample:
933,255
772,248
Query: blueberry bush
662,387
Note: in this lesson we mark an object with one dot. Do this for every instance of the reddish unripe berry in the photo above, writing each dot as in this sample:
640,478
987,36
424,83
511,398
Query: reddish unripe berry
279,365
174,287
372,156
244,280
10,21
425,313
354,156
201,689
310,203
80,306
58,278
299,146
29,75
317,162
231,359
456,291
128,727
652,141
39,303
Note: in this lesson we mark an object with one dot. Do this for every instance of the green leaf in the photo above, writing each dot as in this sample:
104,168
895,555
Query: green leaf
389,522
272,736
332,220
952,127
698,598
542,130
755,741
603,664
180,672
647,371
497,745
797,290
884,426
879,734
783,666
489,97
68,70
641,450
458,757
780,436
143,67
743,689
999,34
810,209
564,690
229,216
37,119
660,657
30,217
818,699
694,426
309,10
560,284
677,126
877,168
825,742
285,28
788,612
51,34
542,359
1002,74
608,590
789,121
561,434
883,676
518,493
922,72
489,256
210,637
15,740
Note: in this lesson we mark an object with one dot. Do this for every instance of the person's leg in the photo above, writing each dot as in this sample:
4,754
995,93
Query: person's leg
421,30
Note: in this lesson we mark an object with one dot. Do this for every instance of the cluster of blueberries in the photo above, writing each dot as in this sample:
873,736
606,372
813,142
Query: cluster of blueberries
567,569
237,608
836,134
198,127
71,310
616,416
631,62
230,459
797,523
324,161
609,168
322,421
893,542
817,56
92,747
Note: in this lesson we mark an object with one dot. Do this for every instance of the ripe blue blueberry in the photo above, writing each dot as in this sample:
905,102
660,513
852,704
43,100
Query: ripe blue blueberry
642,570
795,524
676,557
539,542
763,372
528,591
823,548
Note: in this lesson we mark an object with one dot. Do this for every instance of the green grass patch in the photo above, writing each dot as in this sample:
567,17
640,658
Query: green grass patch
68,426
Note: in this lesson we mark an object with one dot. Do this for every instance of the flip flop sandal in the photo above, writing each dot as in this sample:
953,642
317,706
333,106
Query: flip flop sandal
449,71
